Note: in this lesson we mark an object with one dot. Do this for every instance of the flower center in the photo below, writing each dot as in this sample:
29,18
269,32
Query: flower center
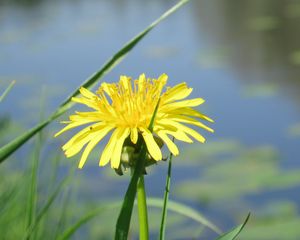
131,106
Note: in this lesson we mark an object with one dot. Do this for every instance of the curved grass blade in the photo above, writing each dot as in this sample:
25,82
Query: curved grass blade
12,146
123,222
7,90
153,202
185,211
70,231
166,199
67,234
234,232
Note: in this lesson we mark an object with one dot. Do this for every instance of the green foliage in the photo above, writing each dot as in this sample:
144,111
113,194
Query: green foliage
26,216
185,211
234,232
263,23
295,57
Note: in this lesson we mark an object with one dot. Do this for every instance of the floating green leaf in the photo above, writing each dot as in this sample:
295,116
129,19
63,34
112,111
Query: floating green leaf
295,57
264,23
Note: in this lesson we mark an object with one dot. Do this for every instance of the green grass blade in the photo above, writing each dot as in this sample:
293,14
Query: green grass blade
12,146
123,222
234,232
33,193
9,148
7,90
46,207
7,198
185,211
70,231
67,234
32,198
166,199
63,214
153,202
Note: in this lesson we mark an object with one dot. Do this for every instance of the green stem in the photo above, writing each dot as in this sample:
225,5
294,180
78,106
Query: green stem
142,209
166,198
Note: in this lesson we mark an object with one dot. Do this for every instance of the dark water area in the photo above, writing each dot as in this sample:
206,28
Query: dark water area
242,57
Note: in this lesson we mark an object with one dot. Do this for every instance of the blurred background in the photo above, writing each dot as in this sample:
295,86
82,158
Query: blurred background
242,57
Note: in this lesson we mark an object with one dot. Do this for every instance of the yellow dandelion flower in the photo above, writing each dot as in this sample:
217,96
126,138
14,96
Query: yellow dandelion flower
126,109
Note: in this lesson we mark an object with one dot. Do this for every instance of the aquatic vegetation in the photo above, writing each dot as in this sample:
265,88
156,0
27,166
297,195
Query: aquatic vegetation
218,175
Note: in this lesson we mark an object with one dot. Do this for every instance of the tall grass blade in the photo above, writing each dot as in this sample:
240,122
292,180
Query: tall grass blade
63,214
12,146
46,207
123,222
33,194
67,234
7,198
7,90
32,198
185,211
166,198
234,232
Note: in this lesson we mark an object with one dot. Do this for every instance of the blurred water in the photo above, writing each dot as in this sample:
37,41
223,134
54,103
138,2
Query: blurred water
243,57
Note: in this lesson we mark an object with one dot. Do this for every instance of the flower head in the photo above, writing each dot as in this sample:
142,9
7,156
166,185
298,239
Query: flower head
125,109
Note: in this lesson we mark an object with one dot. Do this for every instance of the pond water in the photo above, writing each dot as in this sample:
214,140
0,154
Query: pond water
242,57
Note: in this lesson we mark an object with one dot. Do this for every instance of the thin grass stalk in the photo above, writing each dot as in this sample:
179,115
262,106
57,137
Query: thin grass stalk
7,90
63,213
33,190
142,209
162,232
33,194
55,167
